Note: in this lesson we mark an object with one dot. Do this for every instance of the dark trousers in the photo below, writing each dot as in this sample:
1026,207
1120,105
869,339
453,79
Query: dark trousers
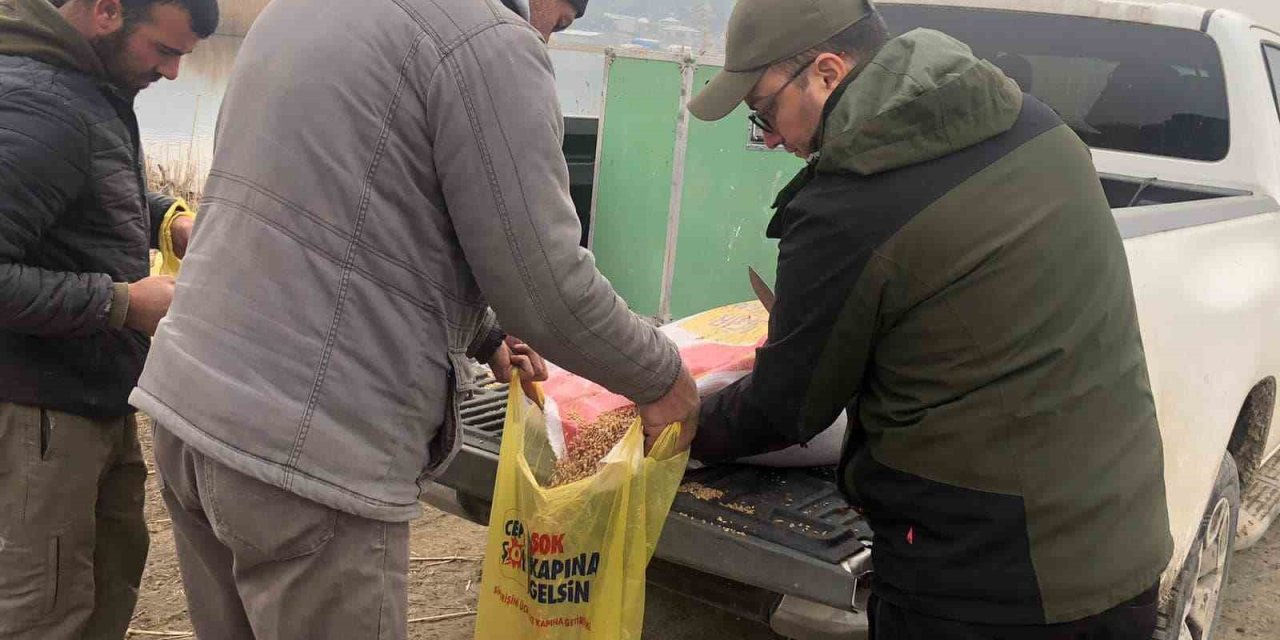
1132,620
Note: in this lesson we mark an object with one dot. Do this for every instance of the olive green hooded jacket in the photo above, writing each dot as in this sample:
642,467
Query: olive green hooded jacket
950,272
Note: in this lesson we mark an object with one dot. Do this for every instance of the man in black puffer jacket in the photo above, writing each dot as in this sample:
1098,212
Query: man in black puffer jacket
77,307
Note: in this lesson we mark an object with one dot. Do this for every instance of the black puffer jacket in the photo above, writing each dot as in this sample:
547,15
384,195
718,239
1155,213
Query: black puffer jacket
76,222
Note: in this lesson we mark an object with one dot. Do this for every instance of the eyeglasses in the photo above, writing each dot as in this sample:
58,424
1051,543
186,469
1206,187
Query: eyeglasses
761,117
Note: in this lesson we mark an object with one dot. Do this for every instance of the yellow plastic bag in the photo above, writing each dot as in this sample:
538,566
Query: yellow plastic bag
569,562
165,262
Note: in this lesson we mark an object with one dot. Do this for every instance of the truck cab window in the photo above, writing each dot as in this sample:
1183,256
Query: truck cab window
1121,86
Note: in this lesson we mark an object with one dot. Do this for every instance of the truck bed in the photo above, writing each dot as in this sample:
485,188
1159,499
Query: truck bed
774,532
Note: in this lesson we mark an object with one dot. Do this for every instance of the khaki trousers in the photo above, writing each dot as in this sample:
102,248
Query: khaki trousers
73,539
260,563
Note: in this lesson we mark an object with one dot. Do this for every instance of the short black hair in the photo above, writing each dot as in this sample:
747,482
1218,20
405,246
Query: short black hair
204,13
862,40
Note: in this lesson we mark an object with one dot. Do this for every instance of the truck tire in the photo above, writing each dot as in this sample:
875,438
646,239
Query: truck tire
1194,604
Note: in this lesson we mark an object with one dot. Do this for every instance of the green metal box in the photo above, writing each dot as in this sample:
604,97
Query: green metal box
680,206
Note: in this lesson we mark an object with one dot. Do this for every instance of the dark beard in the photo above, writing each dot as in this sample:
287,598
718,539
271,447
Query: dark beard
110,49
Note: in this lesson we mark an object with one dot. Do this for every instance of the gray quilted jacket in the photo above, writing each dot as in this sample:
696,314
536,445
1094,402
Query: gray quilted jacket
384,173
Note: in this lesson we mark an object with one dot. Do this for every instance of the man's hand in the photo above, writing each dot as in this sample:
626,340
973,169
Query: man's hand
514,354
679,405
180,231
149,301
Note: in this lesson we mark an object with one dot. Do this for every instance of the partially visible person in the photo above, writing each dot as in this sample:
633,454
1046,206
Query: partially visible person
949,272
388,184
76,304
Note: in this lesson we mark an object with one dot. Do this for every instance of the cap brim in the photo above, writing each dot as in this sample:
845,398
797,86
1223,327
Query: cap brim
724,93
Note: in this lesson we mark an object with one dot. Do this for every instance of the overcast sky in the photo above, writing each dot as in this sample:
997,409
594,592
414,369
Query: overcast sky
1265,11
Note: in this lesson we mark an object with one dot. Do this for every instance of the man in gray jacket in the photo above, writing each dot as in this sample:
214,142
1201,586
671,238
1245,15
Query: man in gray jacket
387,183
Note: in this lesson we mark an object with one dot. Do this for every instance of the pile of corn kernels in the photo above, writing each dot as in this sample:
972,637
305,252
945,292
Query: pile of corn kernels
592,443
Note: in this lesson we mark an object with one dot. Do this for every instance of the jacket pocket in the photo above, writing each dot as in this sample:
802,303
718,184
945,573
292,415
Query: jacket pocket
29,570
444,447
260,522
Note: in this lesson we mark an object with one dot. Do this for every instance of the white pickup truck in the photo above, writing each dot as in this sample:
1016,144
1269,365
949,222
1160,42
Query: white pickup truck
1181,106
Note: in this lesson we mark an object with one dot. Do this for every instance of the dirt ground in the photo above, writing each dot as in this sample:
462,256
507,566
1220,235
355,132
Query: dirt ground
439,588
1252,607
436,587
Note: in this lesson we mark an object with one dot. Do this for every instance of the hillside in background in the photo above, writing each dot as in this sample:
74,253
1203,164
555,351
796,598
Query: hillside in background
705,15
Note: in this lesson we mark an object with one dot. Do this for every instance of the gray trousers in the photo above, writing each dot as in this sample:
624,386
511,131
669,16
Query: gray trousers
261,563
73,539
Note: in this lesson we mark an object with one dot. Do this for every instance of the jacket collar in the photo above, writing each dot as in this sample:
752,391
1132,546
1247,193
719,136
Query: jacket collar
924,95
34,29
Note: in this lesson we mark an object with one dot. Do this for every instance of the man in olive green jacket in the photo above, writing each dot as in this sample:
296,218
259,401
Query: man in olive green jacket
949,272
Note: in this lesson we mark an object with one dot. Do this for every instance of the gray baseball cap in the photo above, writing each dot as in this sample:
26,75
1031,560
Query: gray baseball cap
764,32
